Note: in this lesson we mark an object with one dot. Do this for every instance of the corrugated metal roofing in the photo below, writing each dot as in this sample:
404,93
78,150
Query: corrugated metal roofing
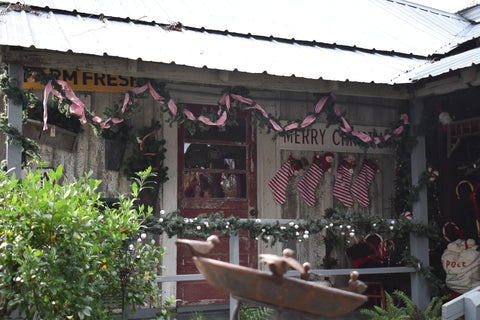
437,67
334,39
390,25
196,49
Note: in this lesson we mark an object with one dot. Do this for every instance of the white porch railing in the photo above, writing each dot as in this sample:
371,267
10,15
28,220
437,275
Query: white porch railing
235,259
467,306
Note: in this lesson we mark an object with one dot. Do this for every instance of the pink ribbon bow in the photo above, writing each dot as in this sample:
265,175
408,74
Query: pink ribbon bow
77,107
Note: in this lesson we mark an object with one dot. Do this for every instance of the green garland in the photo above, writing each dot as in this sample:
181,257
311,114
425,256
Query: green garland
27,100
348,222
268,122
260,118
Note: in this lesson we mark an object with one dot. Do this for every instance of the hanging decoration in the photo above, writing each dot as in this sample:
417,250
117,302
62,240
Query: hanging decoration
362,182
341,188
279,183
225,115
472,196
351,224
310,180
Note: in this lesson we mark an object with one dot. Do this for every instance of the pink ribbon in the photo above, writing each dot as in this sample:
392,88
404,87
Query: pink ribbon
308,120
259,108
46,94
362,136
377,140
276,126
386,137
154,93
172,106
149,86
125,102
138,90
291,126
337,110
242,99
205,120
225,99
105,125
97,119
77,107
189,114
320,104
346,127
398,130
219,122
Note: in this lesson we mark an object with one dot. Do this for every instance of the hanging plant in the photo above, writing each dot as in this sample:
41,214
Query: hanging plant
148,152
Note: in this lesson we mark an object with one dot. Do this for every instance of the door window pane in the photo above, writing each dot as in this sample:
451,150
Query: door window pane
232,133
210,156
214,185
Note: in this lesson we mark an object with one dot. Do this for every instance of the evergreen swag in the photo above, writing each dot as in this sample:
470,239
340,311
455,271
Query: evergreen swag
204,225
233,99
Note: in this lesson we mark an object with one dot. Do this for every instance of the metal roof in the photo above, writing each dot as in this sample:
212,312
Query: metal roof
390,25
437,67
354,40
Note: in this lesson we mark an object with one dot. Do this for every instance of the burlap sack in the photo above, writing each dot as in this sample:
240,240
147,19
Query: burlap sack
461,262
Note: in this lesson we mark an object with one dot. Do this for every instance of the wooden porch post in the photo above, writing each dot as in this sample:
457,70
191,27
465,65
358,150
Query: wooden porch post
14,113
419,244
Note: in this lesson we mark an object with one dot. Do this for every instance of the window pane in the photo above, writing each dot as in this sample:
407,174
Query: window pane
214,185
207,156
233,133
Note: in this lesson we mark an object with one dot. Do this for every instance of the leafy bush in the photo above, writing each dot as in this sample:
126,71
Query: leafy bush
62,251
406,309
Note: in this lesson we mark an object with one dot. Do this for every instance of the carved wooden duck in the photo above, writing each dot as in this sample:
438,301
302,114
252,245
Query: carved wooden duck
280,265
200,248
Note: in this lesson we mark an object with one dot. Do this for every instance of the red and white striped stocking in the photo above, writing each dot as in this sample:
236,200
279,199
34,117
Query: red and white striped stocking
312,177
341,189
362,182
279,183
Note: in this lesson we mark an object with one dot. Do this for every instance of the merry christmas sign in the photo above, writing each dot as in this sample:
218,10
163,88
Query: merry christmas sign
320,138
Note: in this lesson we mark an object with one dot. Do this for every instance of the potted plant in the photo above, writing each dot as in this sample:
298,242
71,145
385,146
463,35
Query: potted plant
63,128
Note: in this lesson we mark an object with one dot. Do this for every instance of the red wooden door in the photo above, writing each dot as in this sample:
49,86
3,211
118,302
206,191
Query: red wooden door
216,173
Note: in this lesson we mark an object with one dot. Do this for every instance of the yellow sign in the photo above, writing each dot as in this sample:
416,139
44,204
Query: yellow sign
85,81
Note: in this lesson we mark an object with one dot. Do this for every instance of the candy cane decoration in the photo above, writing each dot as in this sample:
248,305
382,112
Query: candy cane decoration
473,198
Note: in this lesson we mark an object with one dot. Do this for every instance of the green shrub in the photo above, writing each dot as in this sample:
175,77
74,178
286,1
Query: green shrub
62,251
